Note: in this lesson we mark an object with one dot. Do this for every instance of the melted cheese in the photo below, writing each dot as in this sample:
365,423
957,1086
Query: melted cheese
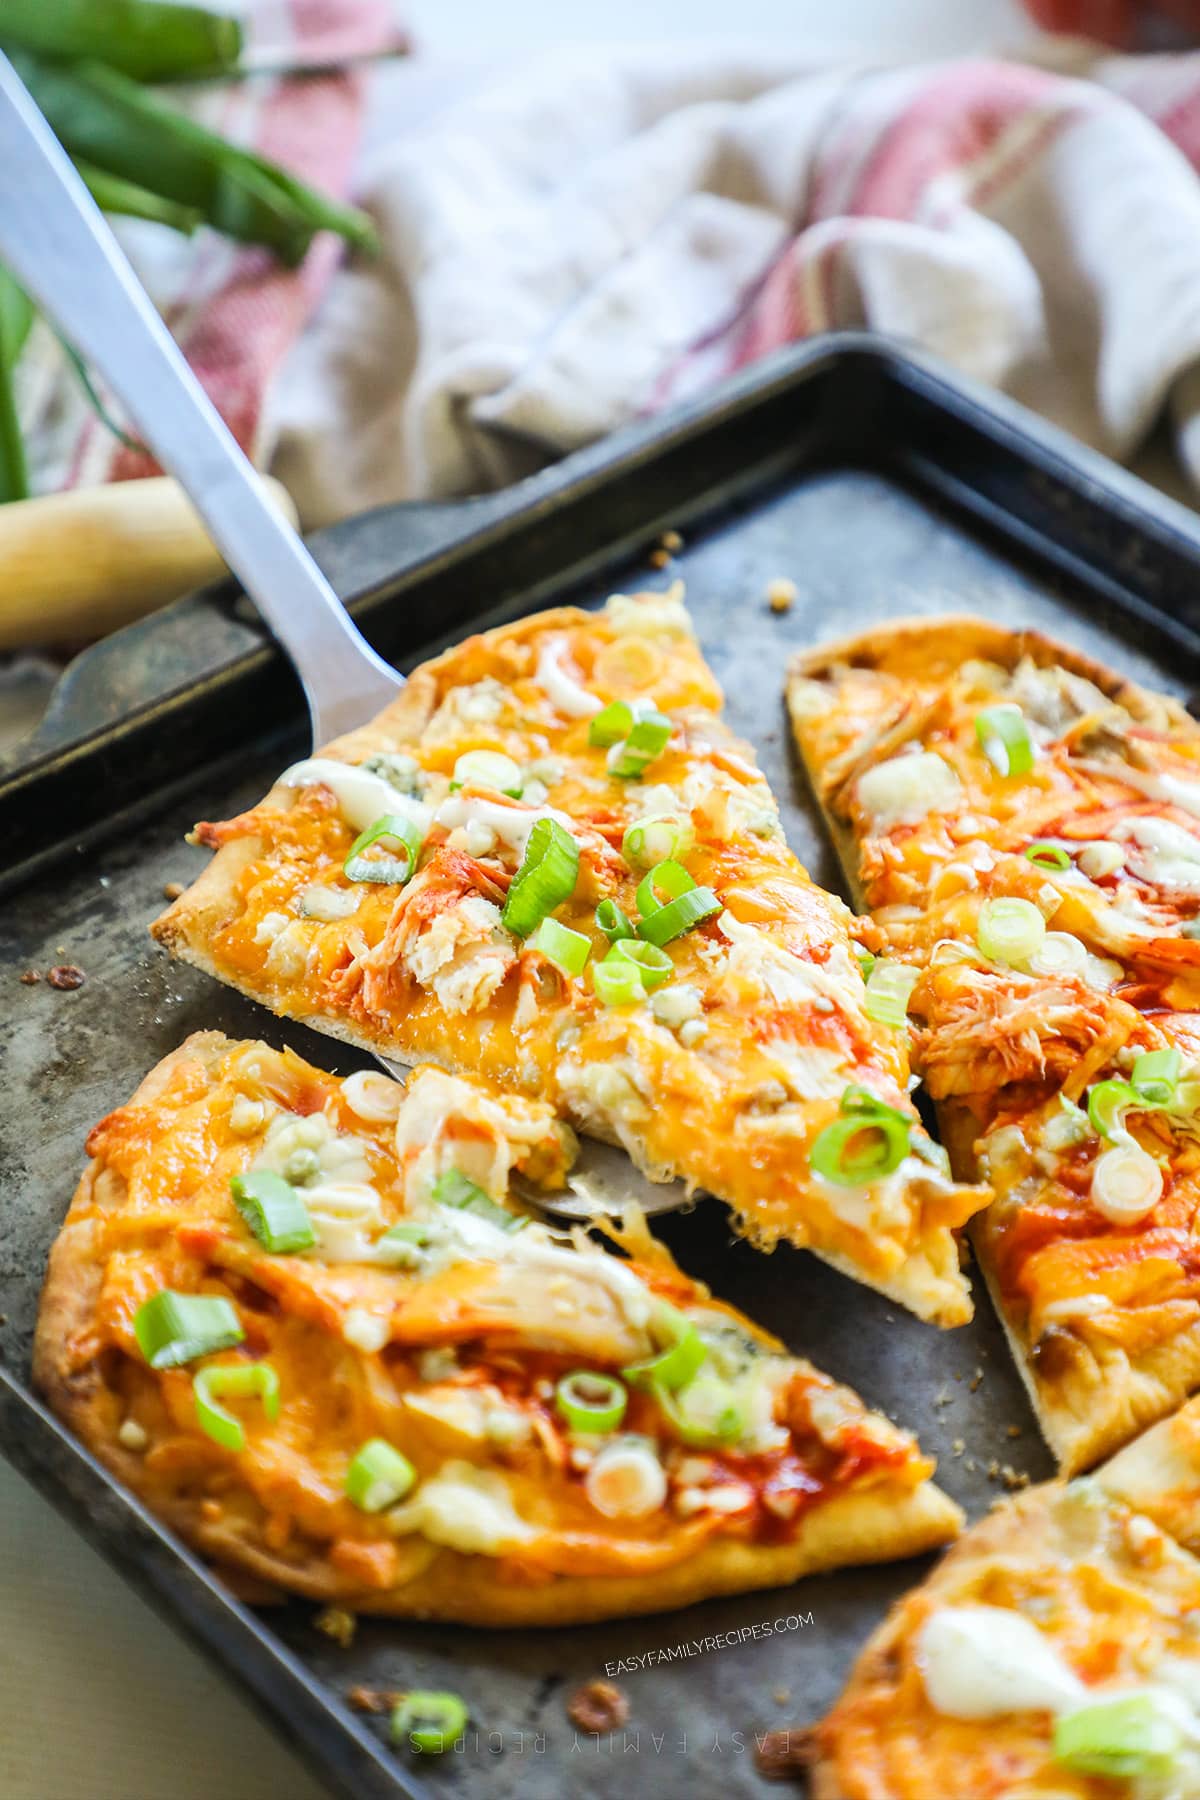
980,1662
361,796
464,1508
1166,855
907,789
563,692
510,825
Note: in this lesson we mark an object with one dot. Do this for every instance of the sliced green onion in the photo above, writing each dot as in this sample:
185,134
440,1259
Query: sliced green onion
488,769
591,1402
618,983
378,1476
241,1381
1122,1739
399,831
1047,856
707,1413
611,724
401,1244
1004,739
568,950
613,922
864,959
1126,1184
1155,1075
678,916
176,1328
652,964
676,1365
546,877
647,740
662,837
865,1144
669,878
274,1211
429,1722
1010,931
453,1188
1107,1104
889,986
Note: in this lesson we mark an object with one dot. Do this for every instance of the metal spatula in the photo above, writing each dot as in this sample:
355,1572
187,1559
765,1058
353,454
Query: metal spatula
56,243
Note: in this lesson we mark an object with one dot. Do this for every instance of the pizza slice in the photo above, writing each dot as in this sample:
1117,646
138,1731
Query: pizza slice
305,1321
981,787
1052,1655
550,864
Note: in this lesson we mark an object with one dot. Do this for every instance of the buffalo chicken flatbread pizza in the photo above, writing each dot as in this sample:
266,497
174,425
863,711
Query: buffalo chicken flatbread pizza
550,864
1018,820
306,1321
1054,1654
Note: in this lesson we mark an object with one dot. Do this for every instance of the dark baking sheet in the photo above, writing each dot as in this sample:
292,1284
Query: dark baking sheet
878,488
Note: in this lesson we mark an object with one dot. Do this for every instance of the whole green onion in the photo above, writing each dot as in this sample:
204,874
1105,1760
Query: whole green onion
1004,738
1047,856
867,1142
568,950
546,877
613,922
652,964
113,194
378,1476
240,1381
591,1402
109,121
678,1363
390,870
173,1328
145,39
274,1211
16,317
428,1722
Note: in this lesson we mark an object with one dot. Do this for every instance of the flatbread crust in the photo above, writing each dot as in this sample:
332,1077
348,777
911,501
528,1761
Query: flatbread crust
922,1273
1093,1396
1070,1560
889,1520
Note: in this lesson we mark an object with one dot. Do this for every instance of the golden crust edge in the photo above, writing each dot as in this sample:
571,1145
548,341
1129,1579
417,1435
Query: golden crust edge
887,1522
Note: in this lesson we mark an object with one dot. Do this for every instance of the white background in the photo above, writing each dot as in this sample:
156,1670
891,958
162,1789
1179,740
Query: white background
98,1699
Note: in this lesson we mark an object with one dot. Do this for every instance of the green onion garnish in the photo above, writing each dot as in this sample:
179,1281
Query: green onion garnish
378,1476
591,1402
568,950
1010,931
1155,1076
1107,1104
176,1328
613,922
1123,1738
679,915
428,1722
889,985
274,1211
453,1188
1047,856
646,741
662,837
546,877
618,983
391,869
611,724
652,964
668,878
488,769
865,1144
673,1367
707,1413
864,959
1004,739
400,1246
241,1381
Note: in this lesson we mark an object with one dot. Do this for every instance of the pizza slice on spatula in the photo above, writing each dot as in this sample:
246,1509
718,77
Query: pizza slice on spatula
305,1321
550,864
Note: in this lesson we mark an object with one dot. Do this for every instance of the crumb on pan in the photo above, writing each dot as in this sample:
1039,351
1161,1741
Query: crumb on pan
336,1623
598,1706
30,977
782,1755
672,542
66,976
781,594
172,890
373,1700
660,559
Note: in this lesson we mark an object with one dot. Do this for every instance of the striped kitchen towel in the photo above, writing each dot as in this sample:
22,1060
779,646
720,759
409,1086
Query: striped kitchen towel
610,231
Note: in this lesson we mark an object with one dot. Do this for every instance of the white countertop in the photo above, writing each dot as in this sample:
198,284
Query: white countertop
100,1699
